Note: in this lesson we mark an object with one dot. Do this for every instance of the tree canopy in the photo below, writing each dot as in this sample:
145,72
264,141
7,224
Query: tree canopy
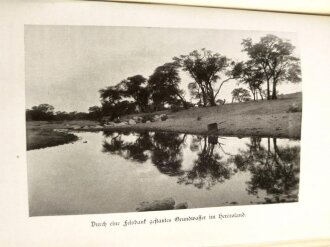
240,95
274,57
164,86
207,69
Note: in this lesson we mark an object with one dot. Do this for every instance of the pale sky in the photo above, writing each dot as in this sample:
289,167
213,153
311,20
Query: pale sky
66,66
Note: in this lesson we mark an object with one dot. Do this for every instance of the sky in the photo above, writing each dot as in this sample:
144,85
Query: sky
66,66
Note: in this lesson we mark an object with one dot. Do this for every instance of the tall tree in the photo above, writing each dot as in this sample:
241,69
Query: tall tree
164,85
253,77
240,94
206,68
115,99
275,57
110,95
134,87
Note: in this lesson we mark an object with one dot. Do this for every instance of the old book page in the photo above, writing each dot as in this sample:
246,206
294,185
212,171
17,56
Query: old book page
319,7
152,125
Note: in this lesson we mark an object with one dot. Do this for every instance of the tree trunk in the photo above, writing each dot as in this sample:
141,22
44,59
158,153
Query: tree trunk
274,96
204,97
253,92
210,94
262,98
212,100
268,90
185,105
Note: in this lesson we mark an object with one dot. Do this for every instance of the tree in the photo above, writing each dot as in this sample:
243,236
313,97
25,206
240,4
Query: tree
274,56
253,77
240,94
110,95
164,85
134,87
95,112
206,68
113,101
42,112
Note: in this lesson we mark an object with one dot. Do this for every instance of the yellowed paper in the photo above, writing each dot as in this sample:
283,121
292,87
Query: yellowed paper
307,219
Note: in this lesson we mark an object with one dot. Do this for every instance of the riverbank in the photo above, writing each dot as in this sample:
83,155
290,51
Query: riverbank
42,138
267,118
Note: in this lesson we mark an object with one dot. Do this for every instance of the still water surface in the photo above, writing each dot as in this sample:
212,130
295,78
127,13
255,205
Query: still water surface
115,172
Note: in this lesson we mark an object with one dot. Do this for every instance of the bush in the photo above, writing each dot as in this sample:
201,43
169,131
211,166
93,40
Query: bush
199,118
294,108
148,117
116,120
175,108
164,117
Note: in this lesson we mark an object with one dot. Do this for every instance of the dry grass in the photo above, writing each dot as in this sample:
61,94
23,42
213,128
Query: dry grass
259,118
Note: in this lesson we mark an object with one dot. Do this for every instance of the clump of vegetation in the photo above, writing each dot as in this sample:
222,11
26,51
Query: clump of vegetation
116,120
294,108
240,95
199,118
164,117
175,108
148,117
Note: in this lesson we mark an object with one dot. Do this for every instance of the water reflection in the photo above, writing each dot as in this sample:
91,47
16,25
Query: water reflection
209,168
272,168
123,172
134,150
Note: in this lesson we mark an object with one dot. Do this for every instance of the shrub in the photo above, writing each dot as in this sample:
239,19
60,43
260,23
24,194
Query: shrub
294,108
148,117
175,108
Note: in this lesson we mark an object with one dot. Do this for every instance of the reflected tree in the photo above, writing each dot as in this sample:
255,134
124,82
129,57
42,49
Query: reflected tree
129,150
167,152
165,149
208,168
274,170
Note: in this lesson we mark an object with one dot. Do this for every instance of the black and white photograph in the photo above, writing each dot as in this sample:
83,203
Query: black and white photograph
133,119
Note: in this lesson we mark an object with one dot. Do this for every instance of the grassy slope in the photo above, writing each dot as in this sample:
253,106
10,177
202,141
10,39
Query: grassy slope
261,118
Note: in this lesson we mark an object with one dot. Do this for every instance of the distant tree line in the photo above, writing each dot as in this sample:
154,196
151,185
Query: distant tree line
45,112
270,62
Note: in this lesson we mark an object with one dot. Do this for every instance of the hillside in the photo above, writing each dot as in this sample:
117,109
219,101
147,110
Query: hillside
267,118
254,118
